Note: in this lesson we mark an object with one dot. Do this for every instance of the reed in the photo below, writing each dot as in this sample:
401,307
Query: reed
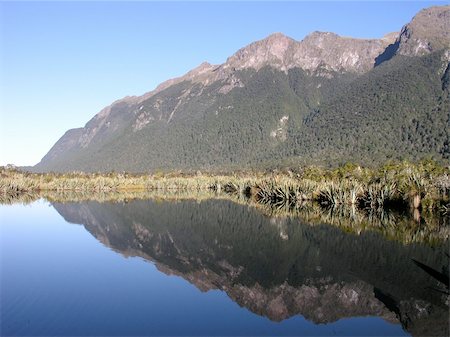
377,195
424,186
353,202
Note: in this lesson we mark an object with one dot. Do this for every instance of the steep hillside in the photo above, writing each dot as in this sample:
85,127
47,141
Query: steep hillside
398,110
326,99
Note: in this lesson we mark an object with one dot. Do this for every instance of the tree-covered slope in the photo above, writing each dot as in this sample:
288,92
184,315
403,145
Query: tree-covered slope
401,109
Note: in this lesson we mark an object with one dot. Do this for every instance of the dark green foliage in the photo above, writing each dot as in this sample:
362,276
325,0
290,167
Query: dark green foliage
397,111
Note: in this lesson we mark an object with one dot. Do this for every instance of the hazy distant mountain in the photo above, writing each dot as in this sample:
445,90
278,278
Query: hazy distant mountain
326,99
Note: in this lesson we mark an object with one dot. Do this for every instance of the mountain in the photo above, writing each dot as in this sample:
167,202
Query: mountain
277,102
277,267
428,31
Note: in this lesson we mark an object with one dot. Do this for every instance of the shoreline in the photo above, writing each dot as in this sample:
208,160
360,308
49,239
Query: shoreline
423,187
405,202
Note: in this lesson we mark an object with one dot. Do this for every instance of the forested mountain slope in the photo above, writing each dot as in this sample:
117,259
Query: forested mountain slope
326,99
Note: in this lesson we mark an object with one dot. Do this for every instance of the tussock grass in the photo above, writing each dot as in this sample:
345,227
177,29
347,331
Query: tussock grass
424,186
409,203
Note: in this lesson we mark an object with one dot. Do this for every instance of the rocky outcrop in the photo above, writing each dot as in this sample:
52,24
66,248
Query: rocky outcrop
428,31
317,52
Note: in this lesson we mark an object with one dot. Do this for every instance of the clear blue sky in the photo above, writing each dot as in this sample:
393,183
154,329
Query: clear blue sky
62,62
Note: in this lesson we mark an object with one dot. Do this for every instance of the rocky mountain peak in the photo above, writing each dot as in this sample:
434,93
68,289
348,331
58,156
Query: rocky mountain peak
428,31
203,68
269,51
318,37
276,37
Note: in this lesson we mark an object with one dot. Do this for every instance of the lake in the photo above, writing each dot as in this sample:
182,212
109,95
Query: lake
209,268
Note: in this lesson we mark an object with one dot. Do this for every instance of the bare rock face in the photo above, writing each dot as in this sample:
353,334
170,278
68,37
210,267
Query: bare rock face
271,51
317,51
428,31
335,53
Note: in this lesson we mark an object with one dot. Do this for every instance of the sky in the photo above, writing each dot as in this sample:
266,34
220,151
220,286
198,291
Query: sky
62,62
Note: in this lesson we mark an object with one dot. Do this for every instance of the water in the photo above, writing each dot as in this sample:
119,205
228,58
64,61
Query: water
208,268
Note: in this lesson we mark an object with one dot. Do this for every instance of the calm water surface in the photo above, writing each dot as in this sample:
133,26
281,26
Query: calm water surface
208,268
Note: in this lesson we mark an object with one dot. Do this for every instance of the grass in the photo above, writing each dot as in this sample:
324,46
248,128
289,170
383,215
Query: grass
424,186
348,197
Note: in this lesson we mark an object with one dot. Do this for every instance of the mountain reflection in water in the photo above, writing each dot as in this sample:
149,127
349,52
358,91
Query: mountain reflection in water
277,267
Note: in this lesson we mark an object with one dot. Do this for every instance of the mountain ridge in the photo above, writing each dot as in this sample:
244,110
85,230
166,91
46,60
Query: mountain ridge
310,72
